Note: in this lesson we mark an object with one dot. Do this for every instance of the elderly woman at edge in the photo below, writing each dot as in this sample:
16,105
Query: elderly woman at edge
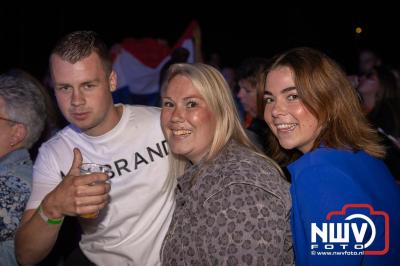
22,118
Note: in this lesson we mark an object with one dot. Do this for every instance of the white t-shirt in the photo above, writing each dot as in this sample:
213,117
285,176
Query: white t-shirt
130,230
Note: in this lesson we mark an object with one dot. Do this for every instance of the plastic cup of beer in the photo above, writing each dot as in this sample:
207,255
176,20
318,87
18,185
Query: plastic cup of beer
89,168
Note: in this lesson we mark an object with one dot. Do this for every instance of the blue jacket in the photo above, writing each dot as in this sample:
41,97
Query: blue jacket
15,189
325,180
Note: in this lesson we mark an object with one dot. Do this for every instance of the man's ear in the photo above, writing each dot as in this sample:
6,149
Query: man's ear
20,132
113,81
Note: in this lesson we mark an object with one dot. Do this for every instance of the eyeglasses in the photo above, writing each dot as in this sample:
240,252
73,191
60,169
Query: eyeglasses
9,120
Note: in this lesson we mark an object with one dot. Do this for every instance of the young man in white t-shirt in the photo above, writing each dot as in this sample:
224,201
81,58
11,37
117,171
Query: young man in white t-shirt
135,207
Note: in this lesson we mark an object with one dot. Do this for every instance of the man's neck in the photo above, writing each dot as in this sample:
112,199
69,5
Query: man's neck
113,118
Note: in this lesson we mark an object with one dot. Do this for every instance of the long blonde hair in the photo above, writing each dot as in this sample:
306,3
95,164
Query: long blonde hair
216,93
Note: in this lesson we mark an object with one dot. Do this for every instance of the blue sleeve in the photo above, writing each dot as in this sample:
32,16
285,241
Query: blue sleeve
14,193
316,191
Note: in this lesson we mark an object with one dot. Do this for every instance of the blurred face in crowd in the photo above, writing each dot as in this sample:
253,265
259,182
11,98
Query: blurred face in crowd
186,120
248,97
290,121
83,92
369,83
367,61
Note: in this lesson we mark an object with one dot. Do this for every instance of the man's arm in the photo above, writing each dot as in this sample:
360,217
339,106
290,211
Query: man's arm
35,238
73,196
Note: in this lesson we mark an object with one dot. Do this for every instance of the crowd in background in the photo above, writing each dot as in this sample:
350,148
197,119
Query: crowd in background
31,117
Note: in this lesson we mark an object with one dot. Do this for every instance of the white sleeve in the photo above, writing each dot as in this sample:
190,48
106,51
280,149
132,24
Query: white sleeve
46,176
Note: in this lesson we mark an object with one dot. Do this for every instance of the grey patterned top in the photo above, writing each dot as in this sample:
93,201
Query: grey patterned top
236,213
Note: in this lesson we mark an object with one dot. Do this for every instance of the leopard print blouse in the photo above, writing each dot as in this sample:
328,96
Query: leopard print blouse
235,213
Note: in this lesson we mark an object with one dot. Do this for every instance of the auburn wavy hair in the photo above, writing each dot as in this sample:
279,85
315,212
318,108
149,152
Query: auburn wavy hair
326,92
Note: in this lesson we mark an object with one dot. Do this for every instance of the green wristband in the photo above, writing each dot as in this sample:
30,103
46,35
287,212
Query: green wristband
47,219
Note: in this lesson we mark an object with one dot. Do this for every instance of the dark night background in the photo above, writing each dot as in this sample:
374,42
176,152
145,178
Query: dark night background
246,29
236,32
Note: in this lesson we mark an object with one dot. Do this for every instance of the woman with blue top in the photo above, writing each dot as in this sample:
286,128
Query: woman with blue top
345,202
22,118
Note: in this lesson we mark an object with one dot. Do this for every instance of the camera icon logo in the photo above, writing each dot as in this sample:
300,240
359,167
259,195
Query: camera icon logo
354,228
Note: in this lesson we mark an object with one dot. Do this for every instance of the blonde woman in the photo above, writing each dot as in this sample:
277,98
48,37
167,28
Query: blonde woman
232,202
